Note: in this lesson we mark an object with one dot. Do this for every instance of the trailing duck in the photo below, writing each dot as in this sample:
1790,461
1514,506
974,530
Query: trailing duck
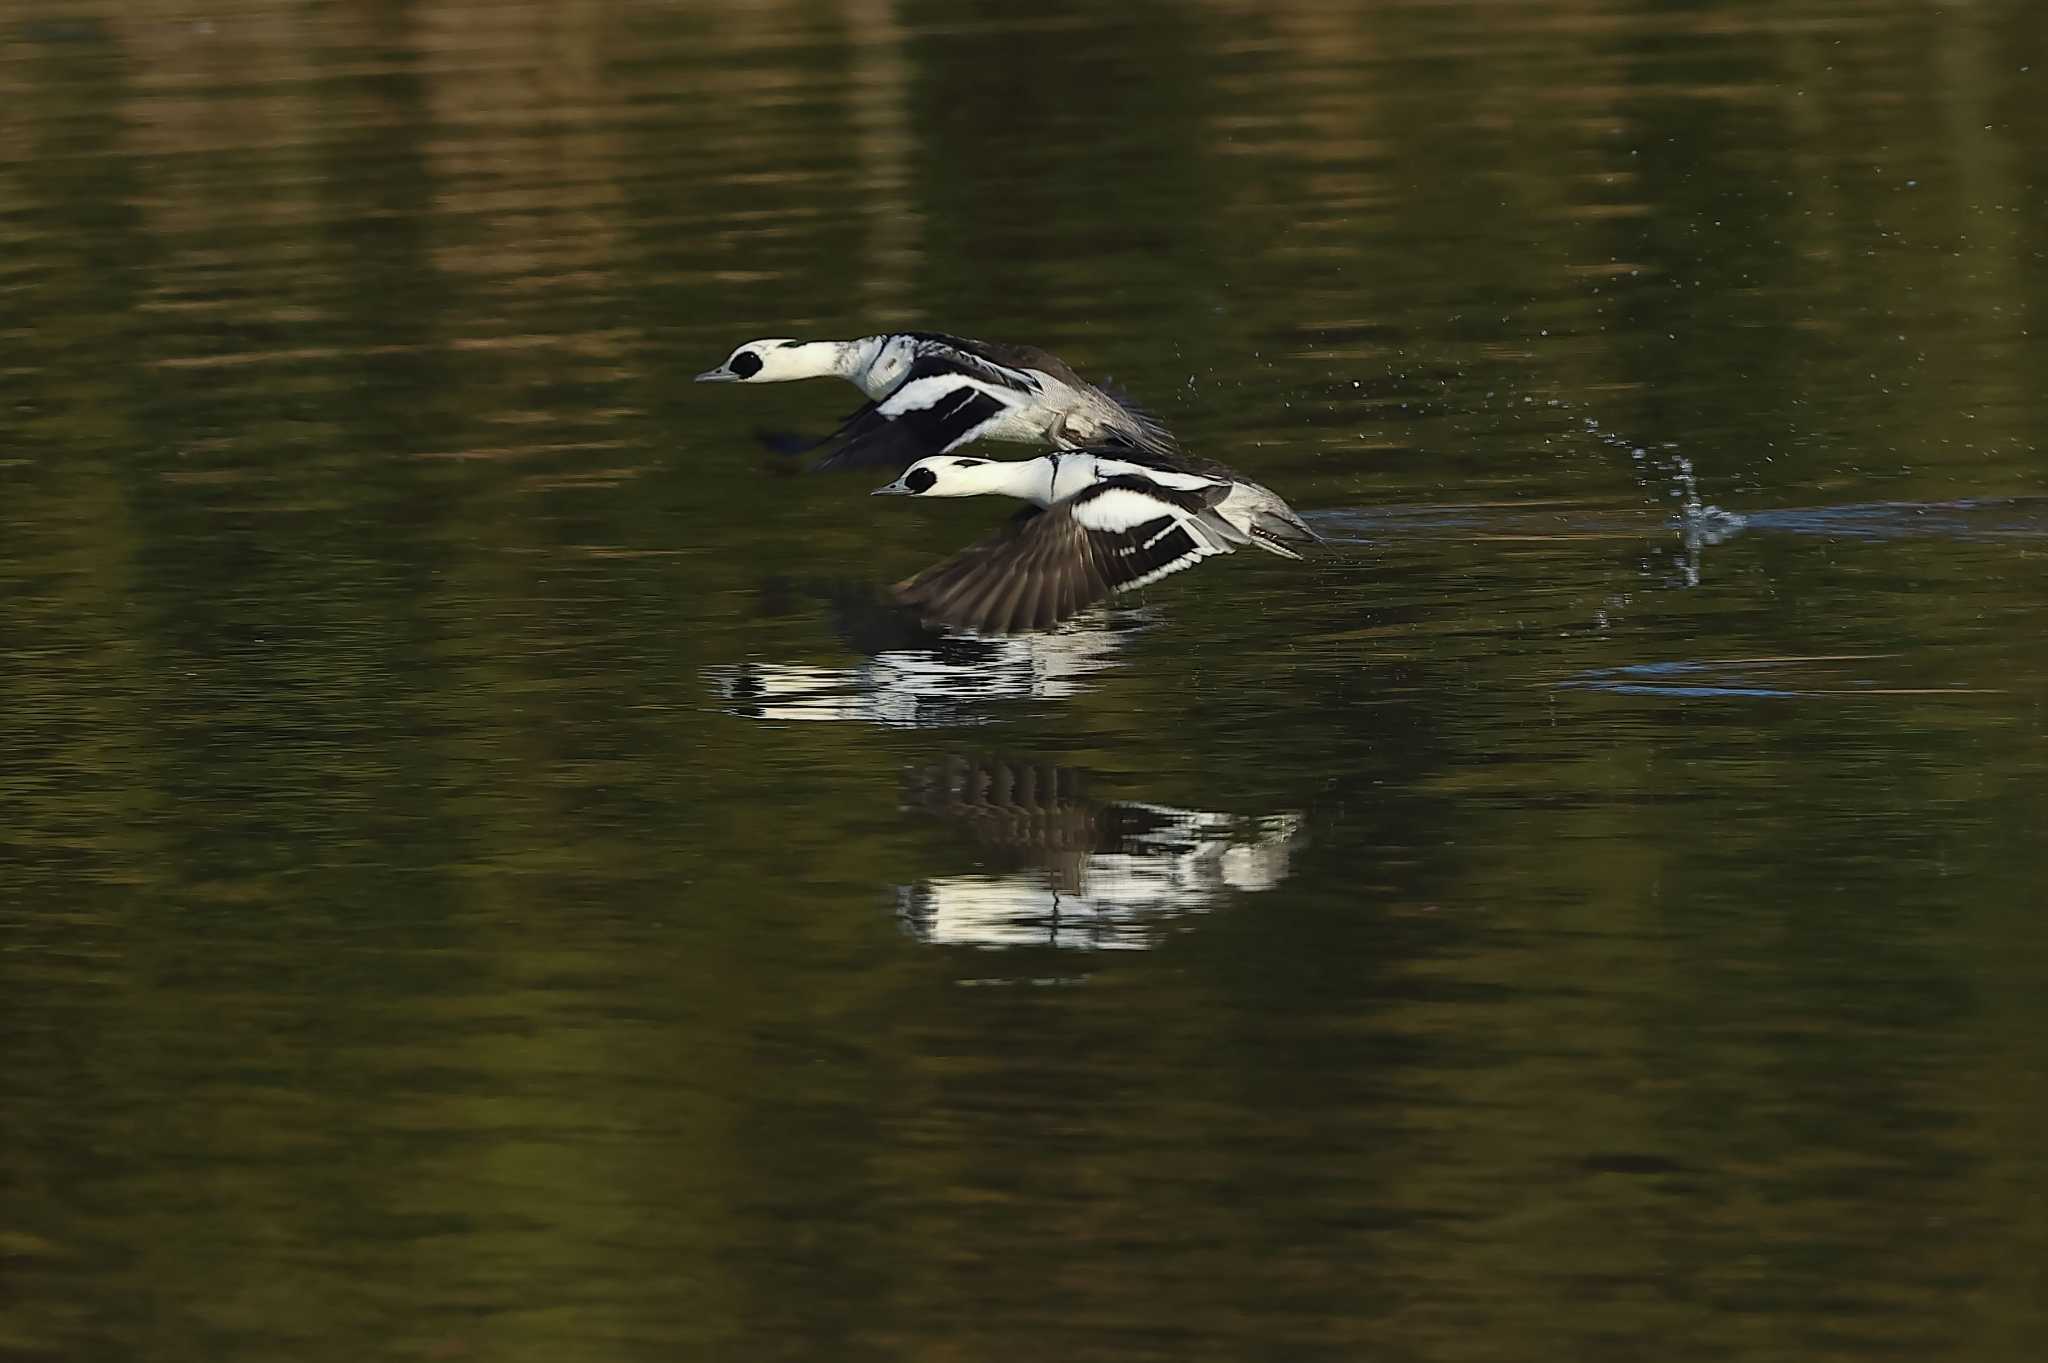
929,393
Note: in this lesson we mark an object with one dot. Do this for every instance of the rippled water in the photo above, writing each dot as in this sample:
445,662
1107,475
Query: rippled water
483,875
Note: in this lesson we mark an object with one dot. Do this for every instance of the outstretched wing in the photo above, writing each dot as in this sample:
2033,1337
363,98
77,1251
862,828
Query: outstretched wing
1045,566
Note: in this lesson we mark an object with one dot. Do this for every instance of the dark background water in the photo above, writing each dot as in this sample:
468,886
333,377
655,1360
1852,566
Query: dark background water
480,877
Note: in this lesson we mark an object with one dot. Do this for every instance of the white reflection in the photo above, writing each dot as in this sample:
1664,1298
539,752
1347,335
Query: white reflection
938,679
1103,875
884,143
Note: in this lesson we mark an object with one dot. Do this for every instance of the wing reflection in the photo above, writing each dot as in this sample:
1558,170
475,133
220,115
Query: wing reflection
1077,872
913,677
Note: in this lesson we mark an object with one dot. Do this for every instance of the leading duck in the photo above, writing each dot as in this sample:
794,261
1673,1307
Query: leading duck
1101,520
929,393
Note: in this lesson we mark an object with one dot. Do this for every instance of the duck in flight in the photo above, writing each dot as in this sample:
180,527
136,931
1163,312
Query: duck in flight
1100,520
930,393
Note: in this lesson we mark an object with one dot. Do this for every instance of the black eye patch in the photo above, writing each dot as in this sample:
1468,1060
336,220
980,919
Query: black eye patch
920,480
746,364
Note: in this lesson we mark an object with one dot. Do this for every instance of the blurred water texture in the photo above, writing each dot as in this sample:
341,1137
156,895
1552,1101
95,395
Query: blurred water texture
482,877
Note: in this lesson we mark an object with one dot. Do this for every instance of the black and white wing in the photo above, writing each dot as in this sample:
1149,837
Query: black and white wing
1138,428
939,406
1047,565
1004,365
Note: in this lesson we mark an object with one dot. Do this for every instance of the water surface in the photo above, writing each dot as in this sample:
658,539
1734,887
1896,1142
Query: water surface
484,876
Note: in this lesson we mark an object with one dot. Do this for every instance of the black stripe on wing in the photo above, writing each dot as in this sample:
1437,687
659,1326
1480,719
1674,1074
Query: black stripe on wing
895,434
876,438
1046,566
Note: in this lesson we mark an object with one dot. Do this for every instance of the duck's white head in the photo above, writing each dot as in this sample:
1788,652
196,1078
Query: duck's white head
778,360
953,475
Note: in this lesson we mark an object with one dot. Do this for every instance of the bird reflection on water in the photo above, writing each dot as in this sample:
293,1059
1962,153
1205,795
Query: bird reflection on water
1063,869
1054,865
911,676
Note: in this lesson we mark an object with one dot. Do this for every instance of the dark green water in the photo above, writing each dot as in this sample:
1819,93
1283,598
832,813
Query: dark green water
480,879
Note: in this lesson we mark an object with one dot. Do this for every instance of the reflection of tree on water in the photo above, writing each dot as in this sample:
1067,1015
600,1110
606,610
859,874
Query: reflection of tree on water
910,676
1067,870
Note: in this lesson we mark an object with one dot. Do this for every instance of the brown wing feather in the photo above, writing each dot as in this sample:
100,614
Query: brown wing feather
1034,572
1031,357
1045,566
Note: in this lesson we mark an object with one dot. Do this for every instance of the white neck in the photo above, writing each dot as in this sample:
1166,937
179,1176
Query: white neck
1026,479
813,360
